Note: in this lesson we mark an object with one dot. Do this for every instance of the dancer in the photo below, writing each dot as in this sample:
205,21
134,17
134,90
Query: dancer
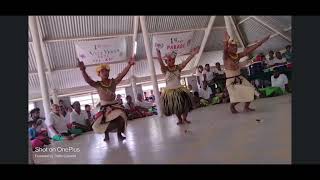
111,116
239,88
175,98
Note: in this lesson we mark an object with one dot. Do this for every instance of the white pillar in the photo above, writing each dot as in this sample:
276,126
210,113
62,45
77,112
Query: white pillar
151,65
39,61
55,96
134,48
204,40
134,88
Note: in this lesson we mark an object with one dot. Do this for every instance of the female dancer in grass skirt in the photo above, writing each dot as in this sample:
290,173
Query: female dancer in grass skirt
175,99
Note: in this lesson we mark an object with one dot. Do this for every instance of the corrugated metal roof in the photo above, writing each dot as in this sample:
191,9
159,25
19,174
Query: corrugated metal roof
61,55
57,27
172,23
240,18
29,35
278,22
254,31
32,65
215,40
219,21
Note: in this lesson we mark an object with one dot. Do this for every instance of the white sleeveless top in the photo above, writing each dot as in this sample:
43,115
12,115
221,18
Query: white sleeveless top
173,78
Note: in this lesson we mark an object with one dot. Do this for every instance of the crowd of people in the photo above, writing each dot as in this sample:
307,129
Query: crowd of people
211,81
217,85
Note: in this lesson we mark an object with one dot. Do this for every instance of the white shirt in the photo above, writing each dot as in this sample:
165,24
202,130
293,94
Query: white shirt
283,60
209,75
200,74
281,81
144,104
79,118
206,93
57,122
215,70
67,118
271,62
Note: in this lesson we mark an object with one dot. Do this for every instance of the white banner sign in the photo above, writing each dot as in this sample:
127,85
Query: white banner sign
180,43
101,51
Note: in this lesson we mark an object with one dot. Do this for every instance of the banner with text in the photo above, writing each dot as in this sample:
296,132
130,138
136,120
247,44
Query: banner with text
180,43
101,51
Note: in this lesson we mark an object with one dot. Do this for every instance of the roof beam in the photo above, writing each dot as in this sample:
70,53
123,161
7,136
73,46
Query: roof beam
244,20
287,29
272,28
204,40
236,30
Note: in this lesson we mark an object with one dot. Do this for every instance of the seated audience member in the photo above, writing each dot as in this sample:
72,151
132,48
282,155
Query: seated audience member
37,139
61,103
66,115
131,110
208,76
57,127
199,76
219,76
196,100
89,113
279,80
146,98
279,59
79,118
288,54
271,60
207,93
144,106
152,98
39,121
221,97
119,99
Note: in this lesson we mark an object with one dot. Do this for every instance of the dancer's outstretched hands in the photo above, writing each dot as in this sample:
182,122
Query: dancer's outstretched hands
132,60
81,65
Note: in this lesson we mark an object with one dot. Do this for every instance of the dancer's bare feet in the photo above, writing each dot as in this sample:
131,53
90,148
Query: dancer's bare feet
187,121
179,122
233,110
106,138
247,109
121,137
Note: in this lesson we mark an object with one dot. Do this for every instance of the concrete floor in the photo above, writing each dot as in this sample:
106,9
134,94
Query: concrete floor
214,137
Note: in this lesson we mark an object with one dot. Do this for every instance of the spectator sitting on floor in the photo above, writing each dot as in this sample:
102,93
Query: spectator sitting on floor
271,61
144,106
79,118
288,54
119,99
206,92
132,111
279,80
279,59
57,127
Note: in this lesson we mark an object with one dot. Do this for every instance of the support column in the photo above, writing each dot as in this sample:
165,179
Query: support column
39,61
151,65
204,41
134,87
